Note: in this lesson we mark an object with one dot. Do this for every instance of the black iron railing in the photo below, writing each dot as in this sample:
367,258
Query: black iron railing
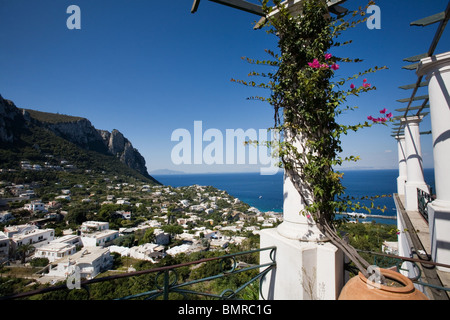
423,199
166,280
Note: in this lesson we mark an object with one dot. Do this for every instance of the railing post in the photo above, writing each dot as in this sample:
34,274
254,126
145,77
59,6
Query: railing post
423,198
166,285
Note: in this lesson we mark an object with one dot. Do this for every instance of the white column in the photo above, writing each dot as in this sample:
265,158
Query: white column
414,165
402,171
308,265
437,71
295,225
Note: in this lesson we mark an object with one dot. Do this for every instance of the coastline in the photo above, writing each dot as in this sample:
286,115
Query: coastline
265,193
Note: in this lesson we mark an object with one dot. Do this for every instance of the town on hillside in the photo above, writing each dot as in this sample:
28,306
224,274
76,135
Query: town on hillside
88,220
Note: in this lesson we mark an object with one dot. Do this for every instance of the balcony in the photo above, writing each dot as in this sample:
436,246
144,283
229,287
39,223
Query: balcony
415,246
166,284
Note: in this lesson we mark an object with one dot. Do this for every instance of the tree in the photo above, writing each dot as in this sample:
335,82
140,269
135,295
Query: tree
149,236
173,230
24,251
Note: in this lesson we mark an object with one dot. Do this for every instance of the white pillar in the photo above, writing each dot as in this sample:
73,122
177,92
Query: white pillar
295,225
414,166
308,265
437,71
402,171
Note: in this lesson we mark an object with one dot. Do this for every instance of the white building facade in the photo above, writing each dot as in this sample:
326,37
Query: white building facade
36,237
88,263
99,238
4,247
55,251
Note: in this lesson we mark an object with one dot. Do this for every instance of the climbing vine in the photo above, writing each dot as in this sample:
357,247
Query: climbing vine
307,101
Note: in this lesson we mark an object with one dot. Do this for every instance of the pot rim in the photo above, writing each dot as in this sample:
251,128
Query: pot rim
391,274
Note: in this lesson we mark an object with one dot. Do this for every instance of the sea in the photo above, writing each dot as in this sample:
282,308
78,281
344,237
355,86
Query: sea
265,192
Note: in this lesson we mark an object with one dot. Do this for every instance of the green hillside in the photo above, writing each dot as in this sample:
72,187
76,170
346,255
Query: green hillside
51,117
42,147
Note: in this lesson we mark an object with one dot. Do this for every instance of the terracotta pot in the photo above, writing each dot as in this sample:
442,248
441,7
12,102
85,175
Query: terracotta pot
359,288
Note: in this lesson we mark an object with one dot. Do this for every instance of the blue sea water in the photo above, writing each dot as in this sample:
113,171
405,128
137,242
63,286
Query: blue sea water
265,192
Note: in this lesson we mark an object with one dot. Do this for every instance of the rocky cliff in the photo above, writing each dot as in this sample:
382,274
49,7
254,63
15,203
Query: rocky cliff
122,148
81,132
11,121
77,130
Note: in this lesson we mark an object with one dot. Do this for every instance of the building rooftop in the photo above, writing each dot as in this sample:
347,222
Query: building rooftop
99,234
86,255
56,246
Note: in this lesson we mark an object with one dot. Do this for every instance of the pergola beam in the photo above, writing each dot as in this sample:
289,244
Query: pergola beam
236,4
257,9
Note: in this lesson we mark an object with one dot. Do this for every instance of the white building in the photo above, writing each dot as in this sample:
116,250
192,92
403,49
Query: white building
124,214
36,237
148,252
4,247
92,226
59,248
90,262
55,251
64,197
123,251
70,239
5,216
12,230
123,201
184,203
35,206
197,208
179,249
99,238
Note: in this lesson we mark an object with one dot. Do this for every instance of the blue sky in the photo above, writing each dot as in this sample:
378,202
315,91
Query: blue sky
148,68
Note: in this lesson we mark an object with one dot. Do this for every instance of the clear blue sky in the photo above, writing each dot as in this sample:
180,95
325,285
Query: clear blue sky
149,67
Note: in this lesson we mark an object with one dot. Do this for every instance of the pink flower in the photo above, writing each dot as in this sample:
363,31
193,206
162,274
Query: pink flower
335,66
328,56
315,64
381,119
308,216
366,85
365,80
352,86
324,66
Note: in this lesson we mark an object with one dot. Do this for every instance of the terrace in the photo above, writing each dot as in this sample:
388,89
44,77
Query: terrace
296,246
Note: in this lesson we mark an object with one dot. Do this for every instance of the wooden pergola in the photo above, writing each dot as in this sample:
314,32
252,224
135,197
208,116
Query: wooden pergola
398,127
256,9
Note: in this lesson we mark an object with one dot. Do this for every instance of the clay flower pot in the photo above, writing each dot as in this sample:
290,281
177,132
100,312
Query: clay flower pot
360,288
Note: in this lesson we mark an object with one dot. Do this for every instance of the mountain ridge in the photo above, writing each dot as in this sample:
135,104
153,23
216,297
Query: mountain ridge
16,122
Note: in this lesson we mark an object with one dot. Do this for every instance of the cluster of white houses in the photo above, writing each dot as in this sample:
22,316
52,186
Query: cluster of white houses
89,249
